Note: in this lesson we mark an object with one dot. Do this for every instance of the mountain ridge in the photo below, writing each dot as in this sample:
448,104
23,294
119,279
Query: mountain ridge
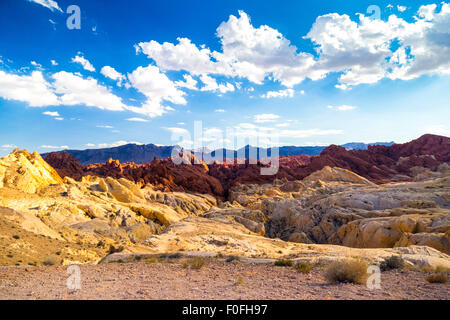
141,154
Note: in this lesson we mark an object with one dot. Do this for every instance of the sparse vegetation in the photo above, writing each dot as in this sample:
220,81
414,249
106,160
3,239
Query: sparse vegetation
232,258
194,263
437,278
391,263
151,260
16,237
239,281
284,263
353,271
303,267
50,261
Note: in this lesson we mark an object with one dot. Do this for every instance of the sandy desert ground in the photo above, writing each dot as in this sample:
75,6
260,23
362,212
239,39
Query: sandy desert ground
215,280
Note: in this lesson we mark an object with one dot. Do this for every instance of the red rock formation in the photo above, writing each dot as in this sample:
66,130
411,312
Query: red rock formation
65,164
379,164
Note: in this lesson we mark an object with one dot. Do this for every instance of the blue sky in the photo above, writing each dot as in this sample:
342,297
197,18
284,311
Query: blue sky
311,73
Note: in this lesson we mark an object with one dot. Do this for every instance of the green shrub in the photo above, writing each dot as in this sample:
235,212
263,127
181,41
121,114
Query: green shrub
284,263
303,267
353,271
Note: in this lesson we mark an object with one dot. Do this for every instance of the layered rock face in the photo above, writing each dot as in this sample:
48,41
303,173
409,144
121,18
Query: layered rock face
336,206
379,164
26,172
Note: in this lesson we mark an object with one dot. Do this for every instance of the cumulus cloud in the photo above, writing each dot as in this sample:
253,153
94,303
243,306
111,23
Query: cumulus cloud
211,85
266,117
279,94
32,89
76,90
158,88
113,74
188,83
50,4
84,62
361,51
401,8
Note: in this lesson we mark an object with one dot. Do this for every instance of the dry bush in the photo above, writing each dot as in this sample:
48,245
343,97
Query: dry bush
303,267
391,263
437,278
50,261
284,263
194,263
354,271
232,258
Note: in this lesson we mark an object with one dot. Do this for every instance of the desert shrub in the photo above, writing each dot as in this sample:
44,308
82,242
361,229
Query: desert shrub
194,263
354,271
394,262
16,237
303,267
232,258
441,269
50,261
151,260
138,258
113,249
284,263
175,256
239,281
437,278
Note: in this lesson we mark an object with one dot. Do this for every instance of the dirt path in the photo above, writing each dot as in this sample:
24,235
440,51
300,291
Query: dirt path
215,280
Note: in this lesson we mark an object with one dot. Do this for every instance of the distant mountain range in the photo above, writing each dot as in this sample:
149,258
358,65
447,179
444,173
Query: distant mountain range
141,154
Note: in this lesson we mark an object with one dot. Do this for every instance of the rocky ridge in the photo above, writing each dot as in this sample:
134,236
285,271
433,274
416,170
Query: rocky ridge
106,218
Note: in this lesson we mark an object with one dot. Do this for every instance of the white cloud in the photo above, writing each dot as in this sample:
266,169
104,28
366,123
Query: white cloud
137,120
105,126
33,89
361,51
401,8
9,146
76,90
183,56
219,110
51,113
279,94
53,147
90,145
112,73
158,88
264,118
211,85
50,4
84,62
342,108
181,123
188,83
54,63
59,118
